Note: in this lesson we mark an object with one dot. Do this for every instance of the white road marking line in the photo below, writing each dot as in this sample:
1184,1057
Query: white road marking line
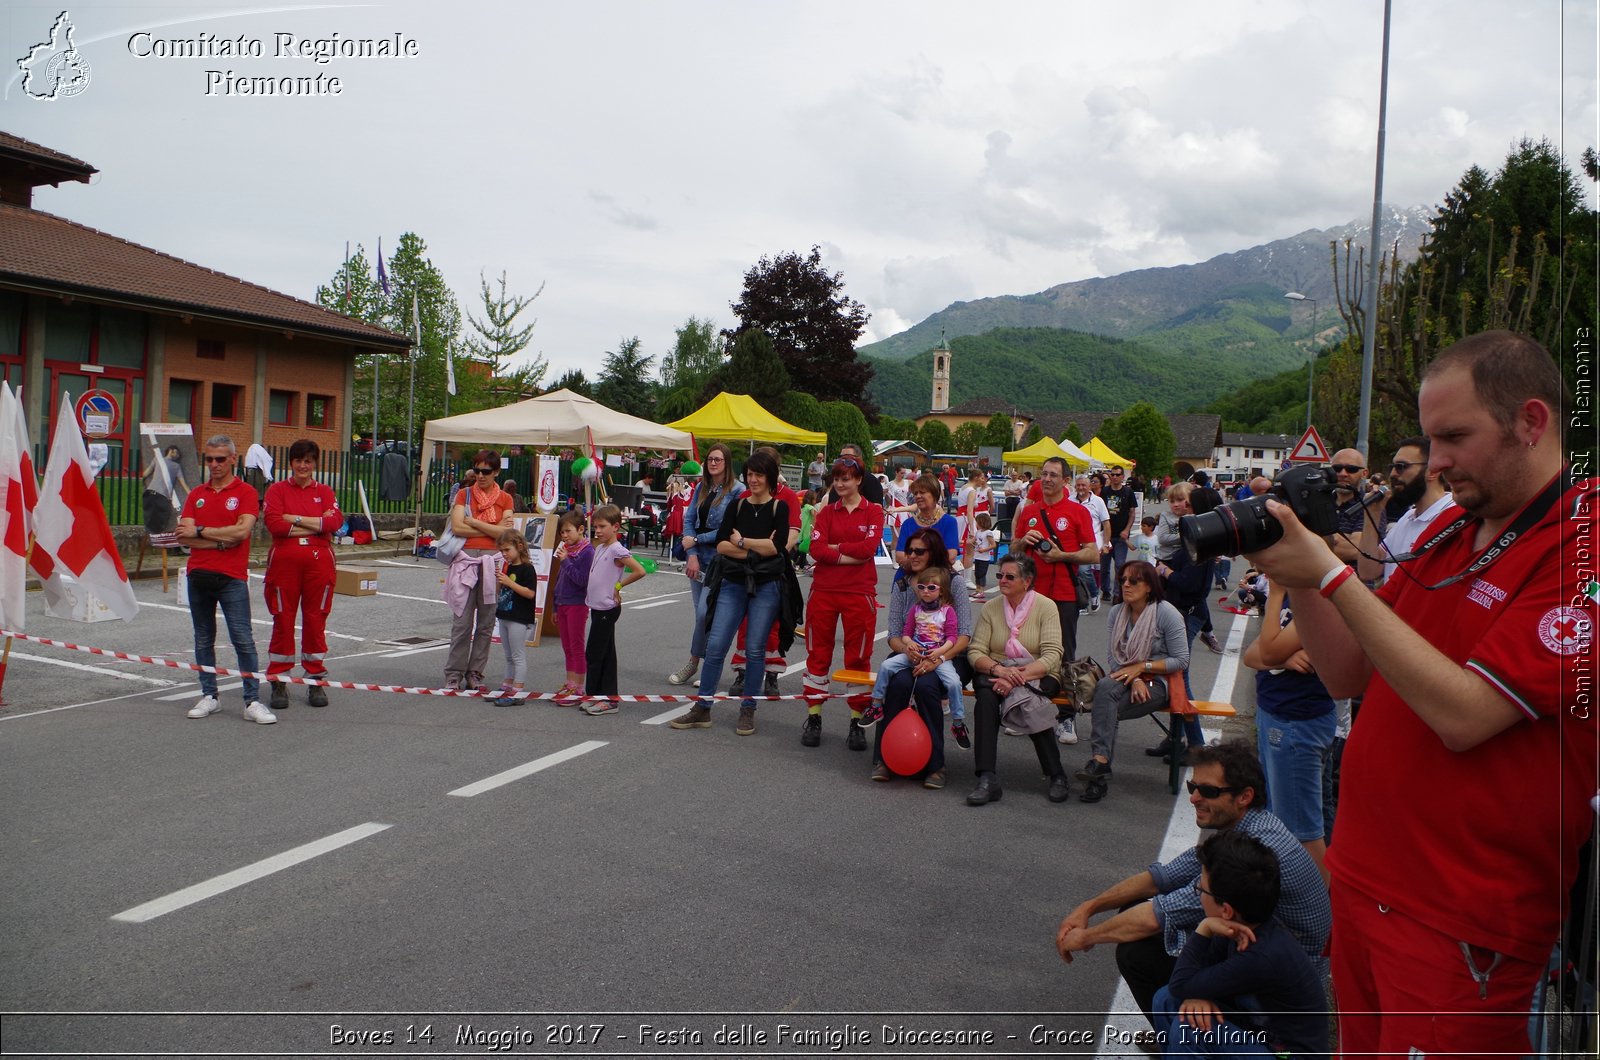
192,691
646,607
397,563
74,706
416,651
248,874
121,675
1182,834
663,717
253,621
527,769
422,599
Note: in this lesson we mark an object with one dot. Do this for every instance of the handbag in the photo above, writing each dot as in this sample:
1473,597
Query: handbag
447,546
1178,695
1081,675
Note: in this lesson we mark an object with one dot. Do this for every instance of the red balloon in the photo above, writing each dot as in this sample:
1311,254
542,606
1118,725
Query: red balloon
907,744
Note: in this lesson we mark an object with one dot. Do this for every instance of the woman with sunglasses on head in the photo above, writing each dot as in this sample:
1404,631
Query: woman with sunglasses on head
845,537
479,514
1148,644
1017,642
925,550
701,520
929,514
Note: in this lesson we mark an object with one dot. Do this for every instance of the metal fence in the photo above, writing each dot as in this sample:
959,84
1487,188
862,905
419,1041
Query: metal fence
122,491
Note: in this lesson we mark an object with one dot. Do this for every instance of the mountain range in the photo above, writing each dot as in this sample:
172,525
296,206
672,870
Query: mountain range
1194,332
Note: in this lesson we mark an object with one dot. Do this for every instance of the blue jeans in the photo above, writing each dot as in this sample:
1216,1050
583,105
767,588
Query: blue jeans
1294,754
945,673
1220,572
734,604
234,596
1223,1039
1119,559
1192,624
697,639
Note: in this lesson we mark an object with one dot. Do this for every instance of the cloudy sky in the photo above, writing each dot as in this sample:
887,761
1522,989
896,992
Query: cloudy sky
636,157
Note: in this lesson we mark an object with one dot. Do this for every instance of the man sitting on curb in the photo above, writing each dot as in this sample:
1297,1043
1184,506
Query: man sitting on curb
1150,934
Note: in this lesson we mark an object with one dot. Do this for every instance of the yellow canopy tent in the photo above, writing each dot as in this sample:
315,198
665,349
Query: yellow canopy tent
1106,455
1038,452
739,417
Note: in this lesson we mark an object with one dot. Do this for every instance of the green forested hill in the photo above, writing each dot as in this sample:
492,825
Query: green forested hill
1204,354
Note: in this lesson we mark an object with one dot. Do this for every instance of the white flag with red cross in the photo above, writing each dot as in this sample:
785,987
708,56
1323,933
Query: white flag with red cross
19,493
72,535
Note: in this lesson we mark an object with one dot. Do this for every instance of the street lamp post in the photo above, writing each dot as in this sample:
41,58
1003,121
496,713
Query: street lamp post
1311,369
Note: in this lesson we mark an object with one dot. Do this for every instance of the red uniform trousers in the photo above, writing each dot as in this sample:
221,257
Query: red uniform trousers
775,659
859,613
1403,988
299,579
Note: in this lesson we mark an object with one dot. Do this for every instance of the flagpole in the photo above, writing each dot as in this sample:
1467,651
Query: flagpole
5,656
416,350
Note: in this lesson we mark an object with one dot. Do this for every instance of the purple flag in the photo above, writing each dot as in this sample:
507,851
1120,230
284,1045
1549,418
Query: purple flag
383,277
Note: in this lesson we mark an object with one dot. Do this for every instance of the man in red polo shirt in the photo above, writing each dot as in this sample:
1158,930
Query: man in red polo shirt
1058,533
216,523
1477,662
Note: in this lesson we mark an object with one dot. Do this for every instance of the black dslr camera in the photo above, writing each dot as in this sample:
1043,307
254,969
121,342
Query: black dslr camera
1245,526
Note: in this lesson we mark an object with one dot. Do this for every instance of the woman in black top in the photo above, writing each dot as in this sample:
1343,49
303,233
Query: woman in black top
751,547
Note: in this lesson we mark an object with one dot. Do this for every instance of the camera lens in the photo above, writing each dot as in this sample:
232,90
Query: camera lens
1243,526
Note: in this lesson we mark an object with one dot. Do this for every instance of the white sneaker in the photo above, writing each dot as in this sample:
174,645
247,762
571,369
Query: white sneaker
1009,731
1066,731
260,715
207,706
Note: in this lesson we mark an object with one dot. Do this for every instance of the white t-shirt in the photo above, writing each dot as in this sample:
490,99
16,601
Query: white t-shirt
1097,515
1400,537
986,541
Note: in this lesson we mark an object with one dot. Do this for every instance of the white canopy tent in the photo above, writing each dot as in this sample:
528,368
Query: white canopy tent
558,418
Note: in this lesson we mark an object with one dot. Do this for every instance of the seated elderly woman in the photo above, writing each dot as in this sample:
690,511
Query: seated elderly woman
1016,645
1147,643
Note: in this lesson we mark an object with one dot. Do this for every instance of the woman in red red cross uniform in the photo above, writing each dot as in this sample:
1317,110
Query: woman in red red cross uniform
302,515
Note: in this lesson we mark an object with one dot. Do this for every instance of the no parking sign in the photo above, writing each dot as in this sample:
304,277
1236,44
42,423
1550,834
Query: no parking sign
98,413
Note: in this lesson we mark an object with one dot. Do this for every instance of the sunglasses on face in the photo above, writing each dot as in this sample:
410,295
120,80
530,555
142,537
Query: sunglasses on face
916,551
1348,469
486,470
1005,576
1400,467
1208,791
218,459
925,586
1132,581
1116,474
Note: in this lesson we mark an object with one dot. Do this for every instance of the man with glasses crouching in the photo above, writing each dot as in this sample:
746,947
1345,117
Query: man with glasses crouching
1160,906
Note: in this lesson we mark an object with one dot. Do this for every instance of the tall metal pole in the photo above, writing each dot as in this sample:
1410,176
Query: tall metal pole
377,361
1370,308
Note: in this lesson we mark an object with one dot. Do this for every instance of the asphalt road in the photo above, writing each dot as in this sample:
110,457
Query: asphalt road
691,876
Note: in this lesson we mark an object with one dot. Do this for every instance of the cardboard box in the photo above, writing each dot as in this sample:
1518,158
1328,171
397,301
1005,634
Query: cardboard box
355,581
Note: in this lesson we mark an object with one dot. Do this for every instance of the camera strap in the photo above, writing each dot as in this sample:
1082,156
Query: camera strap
1529,517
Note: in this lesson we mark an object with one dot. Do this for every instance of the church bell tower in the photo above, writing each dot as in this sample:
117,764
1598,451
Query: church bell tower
941,375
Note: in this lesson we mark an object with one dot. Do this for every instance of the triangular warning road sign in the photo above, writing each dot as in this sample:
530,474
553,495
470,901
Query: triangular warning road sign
1309,449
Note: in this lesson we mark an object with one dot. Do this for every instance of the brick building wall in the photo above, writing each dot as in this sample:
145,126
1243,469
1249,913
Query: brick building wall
254,385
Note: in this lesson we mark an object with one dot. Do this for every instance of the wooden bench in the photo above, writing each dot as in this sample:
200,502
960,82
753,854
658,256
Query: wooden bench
1204,708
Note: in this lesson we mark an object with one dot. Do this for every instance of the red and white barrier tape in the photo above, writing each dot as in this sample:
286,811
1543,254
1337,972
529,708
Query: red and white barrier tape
156,660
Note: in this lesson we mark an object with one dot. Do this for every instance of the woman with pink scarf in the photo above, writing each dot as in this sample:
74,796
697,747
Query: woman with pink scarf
1017,642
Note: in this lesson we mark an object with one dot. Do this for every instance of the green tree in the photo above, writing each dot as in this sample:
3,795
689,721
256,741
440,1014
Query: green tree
1074,434
1035,433
410,272
498,338
1143,435
845,423
574,380
624,382
889,428
697,352
803,410
1514,250
935,437
999,431
754,368
355,292
968,437
811,322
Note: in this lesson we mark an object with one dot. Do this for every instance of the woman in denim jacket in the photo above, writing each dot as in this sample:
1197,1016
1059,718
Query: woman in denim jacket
718,486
